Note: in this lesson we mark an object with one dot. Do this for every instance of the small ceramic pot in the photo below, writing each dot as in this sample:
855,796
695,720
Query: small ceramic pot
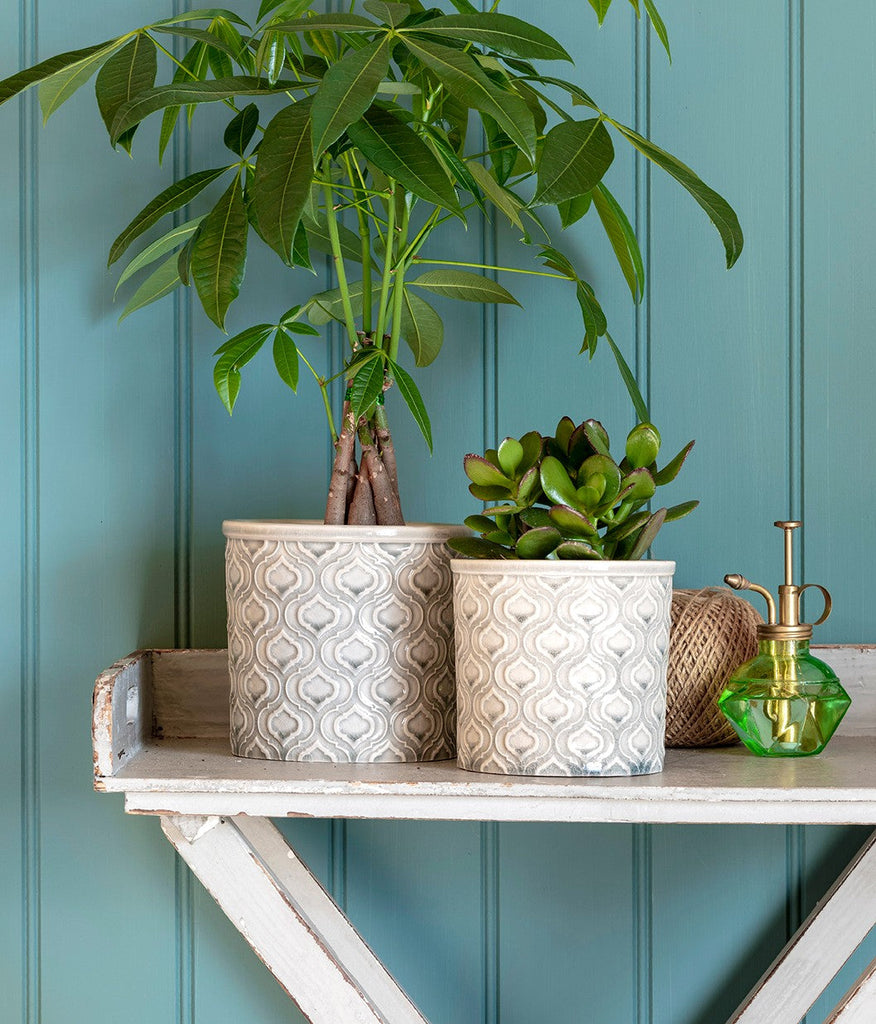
340,641
561,666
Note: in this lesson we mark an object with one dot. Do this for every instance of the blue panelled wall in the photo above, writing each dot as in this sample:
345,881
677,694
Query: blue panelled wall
120,465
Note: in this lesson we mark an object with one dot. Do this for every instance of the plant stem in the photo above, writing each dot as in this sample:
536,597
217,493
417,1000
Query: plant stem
332,221
365,241
399,288
486,266
389,249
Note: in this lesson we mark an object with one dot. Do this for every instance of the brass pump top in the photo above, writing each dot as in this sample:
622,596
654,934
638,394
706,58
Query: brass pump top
787,625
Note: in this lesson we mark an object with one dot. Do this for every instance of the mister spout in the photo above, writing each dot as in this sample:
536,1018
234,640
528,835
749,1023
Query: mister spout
739,582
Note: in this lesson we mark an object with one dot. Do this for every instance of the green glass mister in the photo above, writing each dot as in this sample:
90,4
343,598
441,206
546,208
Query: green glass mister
784,702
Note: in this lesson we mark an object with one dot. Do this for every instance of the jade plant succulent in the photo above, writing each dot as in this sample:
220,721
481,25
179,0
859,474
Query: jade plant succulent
566,497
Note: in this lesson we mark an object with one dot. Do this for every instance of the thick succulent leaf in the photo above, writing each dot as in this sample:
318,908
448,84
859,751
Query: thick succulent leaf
286,358
160,247
159,283
241,129
671,469
532,443
536,517
483,473
572,522
574,158
500,197
413,399
537,543
597,435
649,532
643,445
485,493
563,432
555,482
680,511
465,80
529,488
462,284
501,32
718,209
172,198
629,380
421,327
477,547
126,73
400,153
46,69
622,238
638,486
608,469
367,385
510,454
181,93
577,549
389,12
347,91
219,254
627,527
481,524
283,175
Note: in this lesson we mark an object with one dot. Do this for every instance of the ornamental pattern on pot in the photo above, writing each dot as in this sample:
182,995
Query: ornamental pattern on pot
340,651
561,676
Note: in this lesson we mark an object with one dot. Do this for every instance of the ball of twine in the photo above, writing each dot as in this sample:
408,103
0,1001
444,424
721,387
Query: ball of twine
713,633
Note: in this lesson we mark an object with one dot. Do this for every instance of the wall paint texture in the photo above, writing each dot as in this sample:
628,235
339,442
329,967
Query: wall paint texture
120,465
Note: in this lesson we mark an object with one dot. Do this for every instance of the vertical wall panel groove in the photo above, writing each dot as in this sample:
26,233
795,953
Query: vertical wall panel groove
30,592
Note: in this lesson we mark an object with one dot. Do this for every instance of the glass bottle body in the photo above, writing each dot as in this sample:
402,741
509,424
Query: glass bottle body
784,702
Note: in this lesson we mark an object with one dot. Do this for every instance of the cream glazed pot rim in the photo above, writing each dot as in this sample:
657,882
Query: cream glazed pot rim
310,529
557,567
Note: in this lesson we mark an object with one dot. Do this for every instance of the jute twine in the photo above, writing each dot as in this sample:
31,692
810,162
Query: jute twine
713,633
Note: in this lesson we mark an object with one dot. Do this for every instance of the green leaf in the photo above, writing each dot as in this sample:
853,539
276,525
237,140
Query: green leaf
318,238
283,175
453,164
575,156
172,198
219,254
622,238
60,87
646,537
241,129
192,67
202,14
159,283
392,13
555,482
629,380
236,352
680,511
718,209
638,486
240,342
643,445
347,90
461,284
286,358
301,249
594,319
671,469
577,549
328,305
579,96
477,547
413,399
465,80
46,69
127,72
401,154
180,93
488,493
298,328
510,455
483,473
538,543
601,7
500,197
210,39
288,8
570,520
572,210
480,523
175,237
501,32
330,22
659,27
422,328
367,385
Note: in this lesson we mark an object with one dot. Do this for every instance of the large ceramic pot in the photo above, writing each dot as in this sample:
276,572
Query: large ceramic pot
340,641
561,666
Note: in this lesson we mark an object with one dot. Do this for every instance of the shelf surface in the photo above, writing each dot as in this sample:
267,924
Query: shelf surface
168,759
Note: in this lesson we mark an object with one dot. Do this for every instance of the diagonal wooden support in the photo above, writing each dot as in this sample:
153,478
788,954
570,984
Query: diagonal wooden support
822,944
858,1006
290,921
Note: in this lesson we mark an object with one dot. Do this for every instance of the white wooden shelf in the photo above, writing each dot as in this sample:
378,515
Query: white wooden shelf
160,730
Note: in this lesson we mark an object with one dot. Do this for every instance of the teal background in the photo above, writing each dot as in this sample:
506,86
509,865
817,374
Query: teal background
120,465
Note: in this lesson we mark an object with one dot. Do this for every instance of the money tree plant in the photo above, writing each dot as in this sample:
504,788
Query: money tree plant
357,134
566,497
